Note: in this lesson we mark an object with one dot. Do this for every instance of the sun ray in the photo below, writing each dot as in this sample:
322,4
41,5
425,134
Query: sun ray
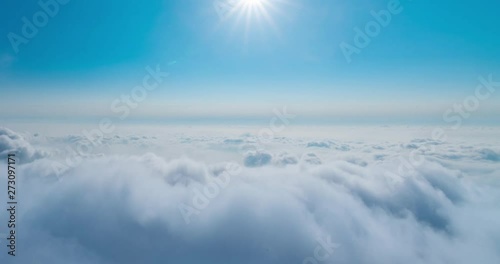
251,13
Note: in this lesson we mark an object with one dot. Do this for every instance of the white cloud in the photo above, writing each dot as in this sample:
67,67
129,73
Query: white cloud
489,154
257,159
124,208
11,142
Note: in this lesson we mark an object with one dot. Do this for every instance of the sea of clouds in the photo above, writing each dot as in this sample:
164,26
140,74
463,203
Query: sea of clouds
182,194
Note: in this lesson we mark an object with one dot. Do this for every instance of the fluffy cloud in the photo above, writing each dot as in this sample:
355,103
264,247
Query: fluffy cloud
489,154
318,144
257,159
328,144
311,158
11,142
284,159
278,208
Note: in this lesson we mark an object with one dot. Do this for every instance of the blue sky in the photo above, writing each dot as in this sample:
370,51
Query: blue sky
428,57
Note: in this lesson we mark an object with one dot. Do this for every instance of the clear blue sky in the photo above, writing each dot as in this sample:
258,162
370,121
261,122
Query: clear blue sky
428,57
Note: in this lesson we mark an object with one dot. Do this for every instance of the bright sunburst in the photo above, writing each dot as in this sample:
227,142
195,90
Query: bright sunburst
257,8
246,16
251,3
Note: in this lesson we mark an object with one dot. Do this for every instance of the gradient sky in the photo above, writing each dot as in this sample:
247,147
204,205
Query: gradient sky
429,57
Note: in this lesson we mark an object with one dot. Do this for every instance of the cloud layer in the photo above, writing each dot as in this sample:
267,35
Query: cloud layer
274,207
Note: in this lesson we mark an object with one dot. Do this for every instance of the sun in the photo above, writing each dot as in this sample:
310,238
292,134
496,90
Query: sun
250,3
246,9
250,16
252,11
